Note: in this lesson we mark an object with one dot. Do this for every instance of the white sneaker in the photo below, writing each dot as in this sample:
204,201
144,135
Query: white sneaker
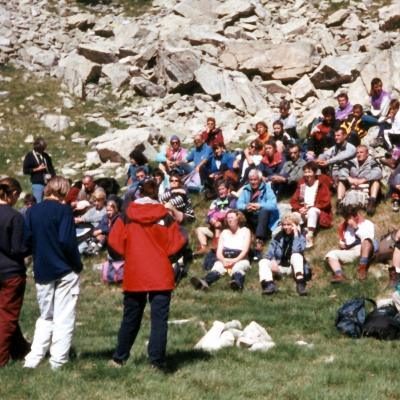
309,241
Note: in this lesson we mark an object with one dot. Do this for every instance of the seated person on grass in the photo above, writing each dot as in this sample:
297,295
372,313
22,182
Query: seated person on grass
362,173
272,162
335,157
248,159
312,201
285,255
173,157
344,108
285,182
288,119
215,217
232,254
282,139
258,203
356,241
354,125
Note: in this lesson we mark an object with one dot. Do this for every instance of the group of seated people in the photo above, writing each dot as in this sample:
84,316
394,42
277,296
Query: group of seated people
278,187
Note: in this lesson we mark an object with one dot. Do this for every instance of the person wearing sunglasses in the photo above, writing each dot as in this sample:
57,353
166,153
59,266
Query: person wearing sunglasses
172,157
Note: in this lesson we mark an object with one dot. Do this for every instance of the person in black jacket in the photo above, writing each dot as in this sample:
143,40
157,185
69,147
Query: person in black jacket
12,273
38,165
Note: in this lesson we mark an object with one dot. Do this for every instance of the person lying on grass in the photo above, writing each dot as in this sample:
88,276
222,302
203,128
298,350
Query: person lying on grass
356,239
285,254
232,254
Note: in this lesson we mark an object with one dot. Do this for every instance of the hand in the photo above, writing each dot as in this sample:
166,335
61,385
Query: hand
322,163
41,167
303,210
78,220
274,266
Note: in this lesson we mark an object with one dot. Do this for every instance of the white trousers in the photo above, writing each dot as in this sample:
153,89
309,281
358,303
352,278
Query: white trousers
345,256
55,326
312,217
296,263
241,266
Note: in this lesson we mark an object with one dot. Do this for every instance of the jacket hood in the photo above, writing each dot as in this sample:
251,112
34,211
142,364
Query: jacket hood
146,213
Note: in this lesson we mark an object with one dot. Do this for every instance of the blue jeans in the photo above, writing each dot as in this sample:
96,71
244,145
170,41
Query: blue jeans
37,191
134,304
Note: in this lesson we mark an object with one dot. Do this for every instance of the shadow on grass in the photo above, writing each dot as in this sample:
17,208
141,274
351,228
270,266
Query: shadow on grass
180,359
97,355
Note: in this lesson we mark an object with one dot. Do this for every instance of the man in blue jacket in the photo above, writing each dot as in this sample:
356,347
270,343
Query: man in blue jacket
258,203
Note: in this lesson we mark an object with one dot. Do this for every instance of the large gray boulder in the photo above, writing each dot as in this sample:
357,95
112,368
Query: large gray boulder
197,10
115,146
337,70
117,73
303,88
389,17
82,21
337,17
146,88
100,52
175,67
76,71
286,61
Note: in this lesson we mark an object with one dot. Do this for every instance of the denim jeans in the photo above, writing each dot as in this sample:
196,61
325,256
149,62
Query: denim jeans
134,305
37,191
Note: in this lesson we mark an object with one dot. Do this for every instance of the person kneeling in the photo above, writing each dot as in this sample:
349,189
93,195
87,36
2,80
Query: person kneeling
357,239
232,251
285,253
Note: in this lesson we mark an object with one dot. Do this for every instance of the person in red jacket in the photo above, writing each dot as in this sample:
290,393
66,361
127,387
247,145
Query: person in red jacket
146,236
312,200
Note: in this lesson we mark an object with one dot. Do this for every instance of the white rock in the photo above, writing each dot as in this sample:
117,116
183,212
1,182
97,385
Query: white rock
81,21
101,52
29,139
92,159
146,88
295,26
389,16
55,122
337,17
352,22
336,70
303,88
117,73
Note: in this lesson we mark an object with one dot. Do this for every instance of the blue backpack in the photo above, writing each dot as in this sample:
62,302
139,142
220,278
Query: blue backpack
350,317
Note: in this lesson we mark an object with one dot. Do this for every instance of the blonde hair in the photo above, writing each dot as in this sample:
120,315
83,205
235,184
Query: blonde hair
57,186
99,193
293,218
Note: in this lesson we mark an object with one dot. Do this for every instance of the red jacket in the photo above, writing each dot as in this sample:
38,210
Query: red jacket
322,200
214,137
146,241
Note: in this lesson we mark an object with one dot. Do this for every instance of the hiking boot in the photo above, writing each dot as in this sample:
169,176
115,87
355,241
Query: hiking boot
198,283
396,206
338,278
301,287
237,281
362,271
268,288
371,207
201,250
394,277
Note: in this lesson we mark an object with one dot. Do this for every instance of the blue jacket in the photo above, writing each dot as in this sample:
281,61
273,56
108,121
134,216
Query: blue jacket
50,235
197,155
266,199
275,248
226,163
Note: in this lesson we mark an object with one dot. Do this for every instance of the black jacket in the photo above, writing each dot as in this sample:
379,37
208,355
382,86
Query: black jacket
12,248
31,162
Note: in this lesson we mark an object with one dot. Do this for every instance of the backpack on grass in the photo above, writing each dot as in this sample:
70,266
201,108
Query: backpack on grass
383,324
350,317
112,271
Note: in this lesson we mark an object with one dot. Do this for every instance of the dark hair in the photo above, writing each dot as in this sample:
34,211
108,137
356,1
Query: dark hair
258,144
211,119
358,107
218,145
39,144
278,122
293,145
140,169
270,142
285,104
150,189
343,95
311,165
159,172
375,81
138,156
349,211
341,130
7,187
222,182
175,174
326,111
263,124
30,199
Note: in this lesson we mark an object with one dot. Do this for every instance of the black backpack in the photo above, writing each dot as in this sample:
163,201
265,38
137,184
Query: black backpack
350,317
383,324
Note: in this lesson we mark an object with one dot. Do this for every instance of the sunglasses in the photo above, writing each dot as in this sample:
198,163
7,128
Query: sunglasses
174,180
174,142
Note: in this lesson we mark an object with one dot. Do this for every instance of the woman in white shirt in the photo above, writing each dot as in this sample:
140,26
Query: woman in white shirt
232,254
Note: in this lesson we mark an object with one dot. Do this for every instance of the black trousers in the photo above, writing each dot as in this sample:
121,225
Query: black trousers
134,305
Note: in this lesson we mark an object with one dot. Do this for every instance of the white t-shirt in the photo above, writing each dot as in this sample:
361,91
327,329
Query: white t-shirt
310,193
234,241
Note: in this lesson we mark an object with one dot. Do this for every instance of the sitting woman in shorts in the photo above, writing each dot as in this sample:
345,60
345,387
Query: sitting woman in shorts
232,254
